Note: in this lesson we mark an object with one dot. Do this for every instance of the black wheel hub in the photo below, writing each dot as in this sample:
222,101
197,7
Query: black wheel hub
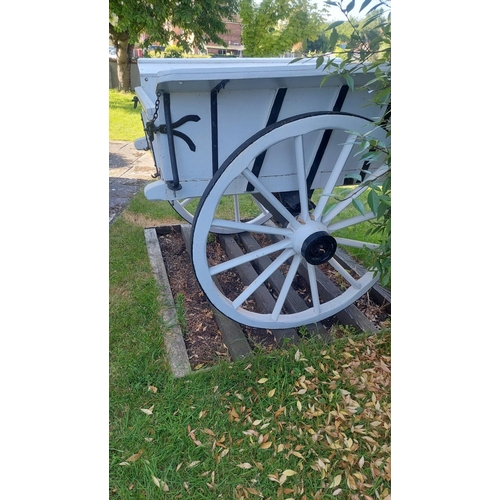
318,248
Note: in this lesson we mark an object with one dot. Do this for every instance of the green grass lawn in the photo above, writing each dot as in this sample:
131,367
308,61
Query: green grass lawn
303,422
307,421
125,122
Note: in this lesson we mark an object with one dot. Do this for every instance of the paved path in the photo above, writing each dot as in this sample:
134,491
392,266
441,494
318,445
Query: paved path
129,171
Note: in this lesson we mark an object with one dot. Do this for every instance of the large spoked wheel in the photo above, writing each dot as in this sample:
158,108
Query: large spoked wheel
300,249
234,205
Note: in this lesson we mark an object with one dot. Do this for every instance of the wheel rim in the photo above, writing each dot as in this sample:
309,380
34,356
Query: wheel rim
311,233
180,206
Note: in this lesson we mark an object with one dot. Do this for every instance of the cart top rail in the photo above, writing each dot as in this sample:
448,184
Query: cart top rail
195,75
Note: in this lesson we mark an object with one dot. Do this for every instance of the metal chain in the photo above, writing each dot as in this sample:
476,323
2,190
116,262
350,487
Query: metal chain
150,130
150,125
157,105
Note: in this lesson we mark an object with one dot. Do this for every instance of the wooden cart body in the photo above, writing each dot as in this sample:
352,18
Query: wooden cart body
206,108
280,131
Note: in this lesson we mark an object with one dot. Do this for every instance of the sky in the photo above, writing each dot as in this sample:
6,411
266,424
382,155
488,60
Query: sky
335,13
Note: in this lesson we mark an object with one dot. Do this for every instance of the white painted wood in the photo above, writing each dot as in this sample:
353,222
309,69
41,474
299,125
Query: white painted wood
293,237
243,108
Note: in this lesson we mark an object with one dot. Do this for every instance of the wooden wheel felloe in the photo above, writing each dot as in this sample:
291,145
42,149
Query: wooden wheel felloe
262,215
305,241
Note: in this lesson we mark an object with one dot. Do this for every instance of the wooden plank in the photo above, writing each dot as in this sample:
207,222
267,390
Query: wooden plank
232,334
293,302
327,290
163,230
172,335
265,301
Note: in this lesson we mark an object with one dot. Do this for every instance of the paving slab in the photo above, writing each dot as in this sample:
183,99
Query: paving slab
129,171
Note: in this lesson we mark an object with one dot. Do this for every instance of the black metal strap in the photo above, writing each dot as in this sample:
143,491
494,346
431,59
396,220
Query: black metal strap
174,183
215,124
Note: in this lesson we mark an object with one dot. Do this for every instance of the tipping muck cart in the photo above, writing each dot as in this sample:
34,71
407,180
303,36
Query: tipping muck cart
258,146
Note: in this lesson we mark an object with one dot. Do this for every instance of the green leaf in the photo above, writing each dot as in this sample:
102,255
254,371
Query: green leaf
319,61
387,184
373,201
359,206
334,38
324,80
349,80
365,4
334,25
375,7
350,6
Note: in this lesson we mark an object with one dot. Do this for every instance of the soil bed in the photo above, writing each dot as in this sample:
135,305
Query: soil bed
202,337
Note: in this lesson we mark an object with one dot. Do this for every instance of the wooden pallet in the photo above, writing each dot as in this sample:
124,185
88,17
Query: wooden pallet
232,333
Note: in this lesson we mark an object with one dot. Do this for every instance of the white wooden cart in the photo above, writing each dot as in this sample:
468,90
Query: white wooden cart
264,133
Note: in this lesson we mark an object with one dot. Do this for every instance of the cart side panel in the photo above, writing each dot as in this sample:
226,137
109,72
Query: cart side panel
277,169
182,105
240,114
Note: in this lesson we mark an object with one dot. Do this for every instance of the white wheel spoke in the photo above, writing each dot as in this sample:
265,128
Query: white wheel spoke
251,228
286,287
184,202
336,209
261,207
343,272
236,208
332,180
301,178
262,277
285,170
313,284
350,222
270,197
256,254
356,244
341,205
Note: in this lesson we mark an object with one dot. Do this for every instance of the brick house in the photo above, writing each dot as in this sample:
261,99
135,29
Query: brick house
233,40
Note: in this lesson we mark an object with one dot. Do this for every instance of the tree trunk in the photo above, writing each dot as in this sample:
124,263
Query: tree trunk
123,60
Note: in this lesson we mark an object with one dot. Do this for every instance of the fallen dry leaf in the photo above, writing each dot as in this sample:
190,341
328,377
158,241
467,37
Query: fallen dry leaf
135,456
161,484
245,465
253,491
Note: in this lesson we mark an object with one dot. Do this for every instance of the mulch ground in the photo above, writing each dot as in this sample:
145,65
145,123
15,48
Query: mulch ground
202,337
